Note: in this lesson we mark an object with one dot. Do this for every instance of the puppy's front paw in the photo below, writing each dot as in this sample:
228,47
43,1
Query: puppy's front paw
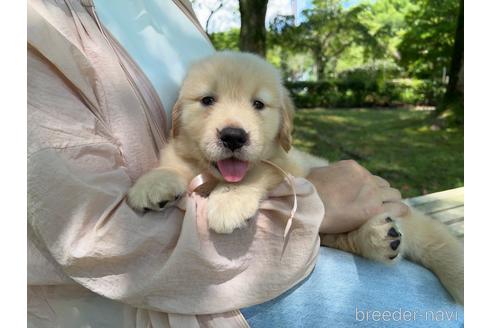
154,189
380,239
228,211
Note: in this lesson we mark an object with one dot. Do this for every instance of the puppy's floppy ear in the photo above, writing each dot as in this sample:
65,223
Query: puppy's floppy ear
286,121
175,120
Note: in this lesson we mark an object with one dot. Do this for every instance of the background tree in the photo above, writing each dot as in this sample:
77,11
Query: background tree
216,13
427,45
386,22
212,12
372,52
326,33
366,54
454,98
252,36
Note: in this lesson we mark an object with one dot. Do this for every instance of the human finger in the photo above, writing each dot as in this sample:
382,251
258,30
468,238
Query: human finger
396,209
380,181
390,194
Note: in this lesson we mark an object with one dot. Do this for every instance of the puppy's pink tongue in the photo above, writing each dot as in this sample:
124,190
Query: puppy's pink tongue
233,170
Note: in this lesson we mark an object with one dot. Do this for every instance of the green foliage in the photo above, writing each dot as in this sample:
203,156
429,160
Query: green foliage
226,40
328,31
375,53
370,77
354,56
386,21
379,84
427,46
395,144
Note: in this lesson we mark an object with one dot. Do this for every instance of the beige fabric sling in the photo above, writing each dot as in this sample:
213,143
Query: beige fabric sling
91,259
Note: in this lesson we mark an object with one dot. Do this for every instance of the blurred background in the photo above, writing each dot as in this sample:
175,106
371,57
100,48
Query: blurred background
378,81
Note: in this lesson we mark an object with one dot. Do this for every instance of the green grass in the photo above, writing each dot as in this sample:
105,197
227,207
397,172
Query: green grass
396,144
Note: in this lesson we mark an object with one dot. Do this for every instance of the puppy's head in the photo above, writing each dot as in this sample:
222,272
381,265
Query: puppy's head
232,112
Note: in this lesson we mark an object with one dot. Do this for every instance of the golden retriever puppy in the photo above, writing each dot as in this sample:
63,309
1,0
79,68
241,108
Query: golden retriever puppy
232,113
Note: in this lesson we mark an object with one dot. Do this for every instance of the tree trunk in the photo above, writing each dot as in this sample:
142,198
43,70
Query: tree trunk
252,37
454,96
320,67
284,67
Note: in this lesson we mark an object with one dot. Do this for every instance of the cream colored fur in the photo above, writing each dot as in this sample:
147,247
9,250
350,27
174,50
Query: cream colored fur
235,80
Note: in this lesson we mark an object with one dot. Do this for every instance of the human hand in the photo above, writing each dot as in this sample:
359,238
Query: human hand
352,195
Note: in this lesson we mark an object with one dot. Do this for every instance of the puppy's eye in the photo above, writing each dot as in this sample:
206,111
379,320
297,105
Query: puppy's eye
258,105
207,101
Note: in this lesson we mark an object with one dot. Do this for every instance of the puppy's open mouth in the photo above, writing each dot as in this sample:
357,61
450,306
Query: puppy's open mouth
232,169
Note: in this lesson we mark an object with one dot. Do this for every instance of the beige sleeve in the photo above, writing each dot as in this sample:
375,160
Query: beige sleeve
87,141
78,219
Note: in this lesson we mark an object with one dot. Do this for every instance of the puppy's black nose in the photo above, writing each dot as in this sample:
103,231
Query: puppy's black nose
233,138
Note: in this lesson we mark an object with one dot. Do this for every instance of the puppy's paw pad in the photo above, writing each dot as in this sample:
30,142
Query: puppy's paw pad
392,232
394,235
381,239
